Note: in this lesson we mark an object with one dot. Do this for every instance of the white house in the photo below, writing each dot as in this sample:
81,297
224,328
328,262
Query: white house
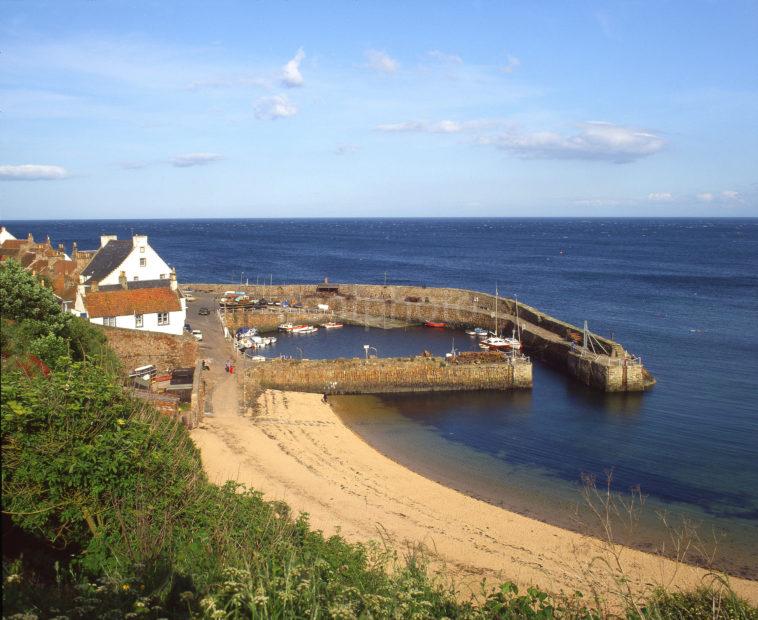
5,235
132,256
127,285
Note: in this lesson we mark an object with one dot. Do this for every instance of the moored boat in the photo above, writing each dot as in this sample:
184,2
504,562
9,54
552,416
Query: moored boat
332,325
434,324
304,329
479,332
286,327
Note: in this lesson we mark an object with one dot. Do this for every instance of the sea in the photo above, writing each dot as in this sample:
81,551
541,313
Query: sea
680,293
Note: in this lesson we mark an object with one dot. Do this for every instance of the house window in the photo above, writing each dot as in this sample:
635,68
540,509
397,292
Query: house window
136,278
163,318
162,276
138,320
142,249
143,262
110,321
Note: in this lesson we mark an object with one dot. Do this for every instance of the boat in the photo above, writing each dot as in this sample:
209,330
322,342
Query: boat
478,332
286,327
256,358
501,344
304,329
332,325
434,324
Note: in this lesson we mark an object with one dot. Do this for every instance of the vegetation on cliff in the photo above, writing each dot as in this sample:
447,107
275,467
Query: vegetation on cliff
107,512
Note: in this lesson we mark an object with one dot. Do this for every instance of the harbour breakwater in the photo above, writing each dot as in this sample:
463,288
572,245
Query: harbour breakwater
596,361
389,375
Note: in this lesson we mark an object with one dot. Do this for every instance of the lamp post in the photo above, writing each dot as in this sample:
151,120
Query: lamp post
366,348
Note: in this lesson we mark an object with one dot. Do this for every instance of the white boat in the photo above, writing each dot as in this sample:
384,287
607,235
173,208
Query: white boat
501,344
257,358
286,327
304,329
332,325
478,332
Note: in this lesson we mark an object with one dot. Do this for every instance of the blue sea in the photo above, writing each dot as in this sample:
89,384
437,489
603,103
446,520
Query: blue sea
681,293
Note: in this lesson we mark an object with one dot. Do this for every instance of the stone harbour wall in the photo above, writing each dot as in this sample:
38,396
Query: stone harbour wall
386,375
608,368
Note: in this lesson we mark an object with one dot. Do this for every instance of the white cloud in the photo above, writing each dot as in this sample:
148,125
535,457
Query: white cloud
595,140
32,172
512,64
443,126
445,58
381,61
133,165
195,159
271,108
660,197
730,194
291,75
346,149
705,197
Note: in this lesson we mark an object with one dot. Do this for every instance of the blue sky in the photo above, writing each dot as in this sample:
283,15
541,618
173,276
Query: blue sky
115,109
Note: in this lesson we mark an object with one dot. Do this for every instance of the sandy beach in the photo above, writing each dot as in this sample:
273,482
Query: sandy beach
296,449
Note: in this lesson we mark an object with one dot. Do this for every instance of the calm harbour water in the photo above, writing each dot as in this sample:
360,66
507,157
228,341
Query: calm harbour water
683,294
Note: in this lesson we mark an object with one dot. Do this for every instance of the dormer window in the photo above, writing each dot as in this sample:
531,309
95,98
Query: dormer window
143,262
142,249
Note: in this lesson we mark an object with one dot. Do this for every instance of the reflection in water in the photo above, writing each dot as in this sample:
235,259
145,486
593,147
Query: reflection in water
527,450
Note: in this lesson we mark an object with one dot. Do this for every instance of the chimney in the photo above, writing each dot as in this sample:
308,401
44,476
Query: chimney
48,242
104,239
61,249
94,286
74,250
172,279
139,240
122,280
29,238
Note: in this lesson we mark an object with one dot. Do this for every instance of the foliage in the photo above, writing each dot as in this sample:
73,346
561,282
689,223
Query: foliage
120,489
30,312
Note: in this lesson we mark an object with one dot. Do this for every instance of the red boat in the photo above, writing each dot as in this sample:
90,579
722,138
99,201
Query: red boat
434,324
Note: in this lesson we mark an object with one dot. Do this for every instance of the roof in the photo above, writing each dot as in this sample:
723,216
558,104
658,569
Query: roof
108,258
123,302
136,284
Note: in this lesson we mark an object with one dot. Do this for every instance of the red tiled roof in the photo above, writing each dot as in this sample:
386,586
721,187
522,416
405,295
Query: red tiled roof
13,243
126,302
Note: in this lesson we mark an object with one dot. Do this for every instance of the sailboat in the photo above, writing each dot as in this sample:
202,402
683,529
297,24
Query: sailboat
497,343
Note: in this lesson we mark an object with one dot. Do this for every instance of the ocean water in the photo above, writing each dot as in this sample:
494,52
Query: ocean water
681,293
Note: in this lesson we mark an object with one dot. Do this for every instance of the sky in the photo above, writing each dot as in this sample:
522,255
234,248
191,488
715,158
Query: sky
162,109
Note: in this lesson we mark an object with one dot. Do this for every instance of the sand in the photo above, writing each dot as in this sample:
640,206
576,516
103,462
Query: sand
296,449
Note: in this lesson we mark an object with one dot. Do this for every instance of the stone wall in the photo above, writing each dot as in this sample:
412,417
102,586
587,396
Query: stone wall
610,368
139,348
387,375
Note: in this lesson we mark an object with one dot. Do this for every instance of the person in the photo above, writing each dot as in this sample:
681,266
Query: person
226,366
324,399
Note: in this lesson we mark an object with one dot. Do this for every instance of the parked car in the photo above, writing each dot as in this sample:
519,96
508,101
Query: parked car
187,327
190,297
197,334
204,311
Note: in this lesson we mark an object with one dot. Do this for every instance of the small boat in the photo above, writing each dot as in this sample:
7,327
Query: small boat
304,329
286,327
501,344
479,332
256,358
332,325
434,324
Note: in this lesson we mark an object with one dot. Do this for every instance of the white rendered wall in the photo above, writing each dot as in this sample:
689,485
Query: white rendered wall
154,268
150,323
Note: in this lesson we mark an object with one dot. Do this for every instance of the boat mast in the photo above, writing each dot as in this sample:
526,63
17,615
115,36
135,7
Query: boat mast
496,297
